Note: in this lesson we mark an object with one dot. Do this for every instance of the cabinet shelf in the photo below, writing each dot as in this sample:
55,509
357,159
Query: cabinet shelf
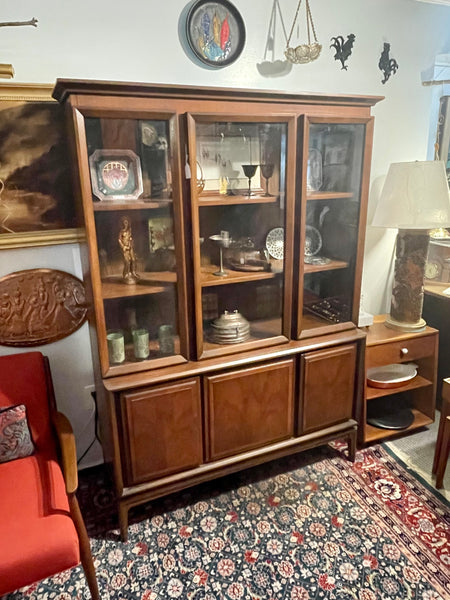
329,195
331,266
414,384
216,200
259,330
372,433
149,283
208,279
114,205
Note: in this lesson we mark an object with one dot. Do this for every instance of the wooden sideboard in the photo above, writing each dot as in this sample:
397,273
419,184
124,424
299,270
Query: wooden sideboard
387,346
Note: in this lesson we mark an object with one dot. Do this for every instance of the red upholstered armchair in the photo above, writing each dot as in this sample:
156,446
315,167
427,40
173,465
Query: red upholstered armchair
41,528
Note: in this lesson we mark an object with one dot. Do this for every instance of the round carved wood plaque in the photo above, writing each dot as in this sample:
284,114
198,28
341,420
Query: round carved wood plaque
40,306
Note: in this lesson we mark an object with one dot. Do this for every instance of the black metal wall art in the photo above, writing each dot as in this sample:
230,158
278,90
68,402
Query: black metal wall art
343,48
388,65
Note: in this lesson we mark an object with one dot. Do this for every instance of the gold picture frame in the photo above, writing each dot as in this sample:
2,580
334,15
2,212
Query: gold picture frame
37,206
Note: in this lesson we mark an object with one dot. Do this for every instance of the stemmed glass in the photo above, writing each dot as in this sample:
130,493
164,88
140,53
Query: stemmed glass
267,172
223,241
249,172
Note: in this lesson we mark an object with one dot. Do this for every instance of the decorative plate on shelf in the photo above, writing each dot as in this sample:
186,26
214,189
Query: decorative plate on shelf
116,174
215,32
313,241
275,243
391,376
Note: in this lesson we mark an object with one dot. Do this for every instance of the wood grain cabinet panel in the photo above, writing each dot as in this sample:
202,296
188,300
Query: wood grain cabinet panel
163,432
327,387
249,408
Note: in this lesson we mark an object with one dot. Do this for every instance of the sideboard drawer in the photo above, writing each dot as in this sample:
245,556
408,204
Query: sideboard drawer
400,351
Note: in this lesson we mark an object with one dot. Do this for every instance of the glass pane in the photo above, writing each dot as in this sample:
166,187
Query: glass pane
336,152
241,175
131,181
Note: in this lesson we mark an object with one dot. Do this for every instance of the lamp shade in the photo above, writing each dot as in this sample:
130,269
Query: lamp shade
415,196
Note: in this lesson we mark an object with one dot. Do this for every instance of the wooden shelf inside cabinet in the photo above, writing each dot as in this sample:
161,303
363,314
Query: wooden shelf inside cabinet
331,266
328,195
372,434
215,200
113,205
208,279
149,283
259,330
414,384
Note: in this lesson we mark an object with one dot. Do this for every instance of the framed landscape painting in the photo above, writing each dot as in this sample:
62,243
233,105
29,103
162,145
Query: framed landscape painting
36,193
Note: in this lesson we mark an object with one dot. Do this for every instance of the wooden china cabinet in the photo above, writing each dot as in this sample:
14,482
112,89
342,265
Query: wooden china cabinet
225,232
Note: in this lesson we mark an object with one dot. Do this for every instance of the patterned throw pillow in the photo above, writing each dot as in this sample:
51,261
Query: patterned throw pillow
15,437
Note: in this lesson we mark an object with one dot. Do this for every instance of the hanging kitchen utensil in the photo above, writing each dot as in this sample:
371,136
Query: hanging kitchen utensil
304,53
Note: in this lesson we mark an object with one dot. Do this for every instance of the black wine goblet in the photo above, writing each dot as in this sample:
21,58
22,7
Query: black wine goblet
267,172
249,172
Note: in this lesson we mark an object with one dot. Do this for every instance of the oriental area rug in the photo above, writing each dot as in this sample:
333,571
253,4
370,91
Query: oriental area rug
309,527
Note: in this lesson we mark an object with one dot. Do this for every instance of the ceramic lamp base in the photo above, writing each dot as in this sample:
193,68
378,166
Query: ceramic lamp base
403,326
407,289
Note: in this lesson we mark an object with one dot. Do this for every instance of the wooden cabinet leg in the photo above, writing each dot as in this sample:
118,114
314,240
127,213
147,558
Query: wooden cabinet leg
442,453
123,522
352,444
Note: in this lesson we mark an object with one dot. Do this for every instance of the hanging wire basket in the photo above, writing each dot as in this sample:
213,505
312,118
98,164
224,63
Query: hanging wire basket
304,53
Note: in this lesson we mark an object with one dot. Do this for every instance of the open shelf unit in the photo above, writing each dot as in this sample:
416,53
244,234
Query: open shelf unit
386,346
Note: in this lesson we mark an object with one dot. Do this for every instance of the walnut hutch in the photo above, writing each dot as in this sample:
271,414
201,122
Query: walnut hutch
246,213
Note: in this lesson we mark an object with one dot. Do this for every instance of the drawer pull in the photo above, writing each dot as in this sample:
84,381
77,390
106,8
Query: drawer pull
404,351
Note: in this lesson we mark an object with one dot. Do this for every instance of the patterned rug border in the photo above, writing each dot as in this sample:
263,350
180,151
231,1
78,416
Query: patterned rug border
417,475
413,545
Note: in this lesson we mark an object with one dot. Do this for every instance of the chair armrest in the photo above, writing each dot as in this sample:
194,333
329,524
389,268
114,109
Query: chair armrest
67,449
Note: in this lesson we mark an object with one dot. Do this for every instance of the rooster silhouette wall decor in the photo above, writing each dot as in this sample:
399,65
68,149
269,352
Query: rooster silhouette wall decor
343,48
388,65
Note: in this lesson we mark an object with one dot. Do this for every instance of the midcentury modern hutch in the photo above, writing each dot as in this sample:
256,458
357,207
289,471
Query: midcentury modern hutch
225,233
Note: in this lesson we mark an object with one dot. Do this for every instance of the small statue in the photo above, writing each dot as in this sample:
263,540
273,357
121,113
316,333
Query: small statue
343,49
129,257
388,65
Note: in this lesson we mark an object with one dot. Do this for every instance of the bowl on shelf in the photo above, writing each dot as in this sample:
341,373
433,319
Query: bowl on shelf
391,376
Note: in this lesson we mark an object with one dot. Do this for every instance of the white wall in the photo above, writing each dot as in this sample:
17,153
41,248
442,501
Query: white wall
139,41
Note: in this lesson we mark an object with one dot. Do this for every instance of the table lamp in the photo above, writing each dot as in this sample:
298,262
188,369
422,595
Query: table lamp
415,199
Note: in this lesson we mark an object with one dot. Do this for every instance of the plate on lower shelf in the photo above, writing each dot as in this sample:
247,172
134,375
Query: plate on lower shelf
391,376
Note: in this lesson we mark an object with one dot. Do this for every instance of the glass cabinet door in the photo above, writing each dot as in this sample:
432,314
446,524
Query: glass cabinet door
134,241
332,245
242,225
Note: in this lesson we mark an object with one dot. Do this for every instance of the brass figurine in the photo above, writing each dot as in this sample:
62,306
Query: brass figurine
126,244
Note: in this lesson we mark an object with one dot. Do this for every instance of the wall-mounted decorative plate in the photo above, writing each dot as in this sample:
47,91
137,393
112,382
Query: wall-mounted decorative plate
215,32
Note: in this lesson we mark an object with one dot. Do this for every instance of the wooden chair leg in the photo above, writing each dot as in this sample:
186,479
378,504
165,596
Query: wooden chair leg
443,453
85,547
445,412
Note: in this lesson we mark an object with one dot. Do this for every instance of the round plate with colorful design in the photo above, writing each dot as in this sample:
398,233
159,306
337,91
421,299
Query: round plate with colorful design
215,32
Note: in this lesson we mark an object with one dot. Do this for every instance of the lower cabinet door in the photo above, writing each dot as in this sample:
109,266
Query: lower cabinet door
327,387
162,430
249,408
